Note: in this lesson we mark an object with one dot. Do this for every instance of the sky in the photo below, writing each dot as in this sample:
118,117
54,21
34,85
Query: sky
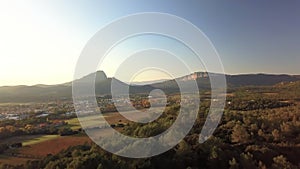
40,41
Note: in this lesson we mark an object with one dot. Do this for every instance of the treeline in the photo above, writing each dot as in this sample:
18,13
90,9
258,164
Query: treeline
52,124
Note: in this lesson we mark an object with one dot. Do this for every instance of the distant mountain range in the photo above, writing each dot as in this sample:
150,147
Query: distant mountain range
40,93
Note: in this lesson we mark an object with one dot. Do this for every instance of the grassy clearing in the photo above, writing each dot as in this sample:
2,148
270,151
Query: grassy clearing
39,139
18,139
92,120
74,123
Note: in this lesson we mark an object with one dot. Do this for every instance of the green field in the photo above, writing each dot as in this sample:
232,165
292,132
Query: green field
92,120
74,123
95,120
39,139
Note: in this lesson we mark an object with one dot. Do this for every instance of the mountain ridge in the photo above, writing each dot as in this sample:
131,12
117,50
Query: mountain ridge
40,92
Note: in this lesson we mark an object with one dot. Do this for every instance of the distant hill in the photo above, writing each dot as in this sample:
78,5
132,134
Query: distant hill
296,76
203,81
41,93
259,79
34,93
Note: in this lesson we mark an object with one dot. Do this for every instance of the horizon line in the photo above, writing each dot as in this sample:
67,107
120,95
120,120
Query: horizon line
233,74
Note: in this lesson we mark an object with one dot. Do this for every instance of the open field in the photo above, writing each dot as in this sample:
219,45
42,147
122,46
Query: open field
53,146
39,139
18,139
93,120
28,139
111,118
40,147
74,123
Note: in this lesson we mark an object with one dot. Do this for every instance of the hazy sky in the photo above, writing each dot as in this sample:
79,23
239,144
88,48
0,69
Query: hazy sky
40,41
